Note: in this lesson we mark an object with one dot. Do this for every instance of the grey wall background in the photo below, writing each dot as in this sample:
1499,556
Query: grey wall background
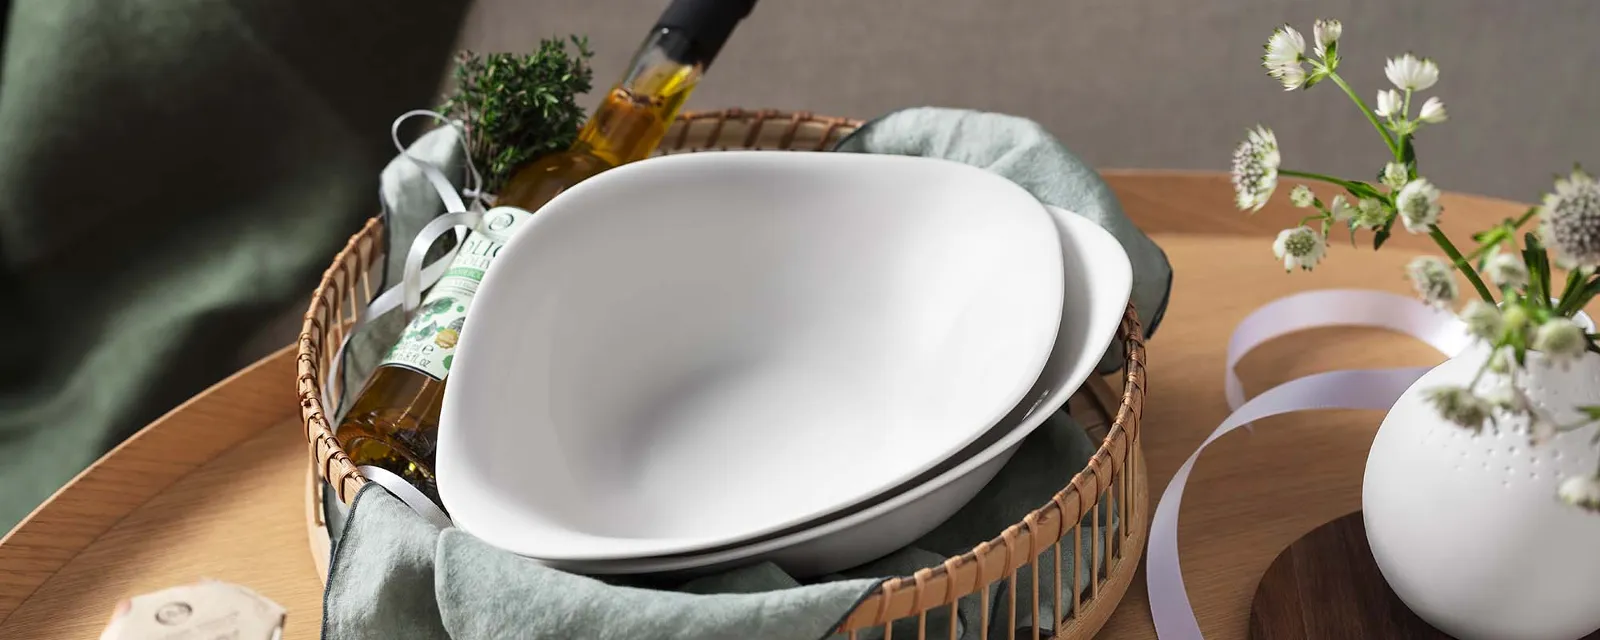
1146,83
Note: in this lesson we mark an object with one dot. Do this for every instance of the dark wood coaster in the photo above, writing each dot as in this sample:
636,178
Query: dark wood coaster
1326,586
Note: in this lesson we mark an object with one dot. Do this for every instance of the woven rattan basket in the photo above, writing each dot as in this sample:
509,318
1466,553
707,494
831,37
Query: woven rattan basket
1114,476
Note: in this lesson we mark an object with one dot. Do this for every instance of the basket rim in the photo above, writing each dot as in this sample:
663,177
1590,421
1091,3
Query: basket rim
895,598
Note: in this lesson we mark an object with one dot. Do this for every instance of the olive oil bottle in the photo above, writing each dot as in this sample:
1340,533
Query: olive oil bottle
393,422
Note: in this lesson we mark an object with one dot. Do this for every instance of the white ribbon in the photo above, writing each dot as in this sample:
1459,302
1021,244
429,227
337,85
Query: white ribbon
1351,389
407,494
459,217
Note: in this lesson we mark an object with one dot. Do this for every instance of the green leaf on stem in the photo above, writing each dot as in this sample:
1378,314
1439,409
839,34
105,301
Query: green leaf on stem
1576,298
1362,190
1383,234
1570,293
1538,261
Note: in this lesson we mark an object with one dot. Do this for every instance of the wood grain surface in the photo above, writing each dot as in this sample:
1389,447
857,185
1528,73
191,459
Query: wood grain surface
217,487
1326,586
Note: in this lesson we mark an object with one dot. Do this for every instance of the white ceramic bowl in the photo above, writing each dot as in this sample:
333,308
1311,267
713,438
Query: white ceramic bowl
696,350
1099,280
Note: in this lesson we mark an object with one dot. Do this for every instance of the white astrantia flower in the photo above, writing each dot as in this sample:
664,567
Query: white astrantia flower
1301,196
1285,47
1559,338
1506,270
1410,73
1418,203
1434,280
1285,53
1432,111
1291,76
1395,175
1341,210
1371,213
1390,104
1581,491
1482,320
1301,247
1255,169
1460,406
1570,221
1327,36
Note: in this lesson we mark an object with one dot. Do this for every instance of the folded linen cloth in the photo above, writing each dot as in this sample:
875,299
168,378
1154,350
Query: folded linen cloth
394,576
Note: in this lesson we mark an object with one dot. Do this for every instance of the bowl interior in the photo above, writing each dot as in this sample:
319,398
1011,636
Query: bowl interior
698,349
1098,284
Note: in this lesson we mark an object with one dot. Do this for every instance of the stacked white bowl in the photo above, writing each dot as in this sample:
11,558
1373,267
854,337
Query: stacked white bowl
704,360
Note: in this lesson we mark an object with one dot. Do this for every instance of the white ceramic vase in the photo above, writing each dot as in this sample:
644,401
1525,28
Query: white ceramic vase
1467,528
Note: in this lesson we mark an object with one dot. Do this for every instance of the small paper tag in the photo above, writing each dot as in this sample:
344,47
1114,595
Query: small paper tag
206,610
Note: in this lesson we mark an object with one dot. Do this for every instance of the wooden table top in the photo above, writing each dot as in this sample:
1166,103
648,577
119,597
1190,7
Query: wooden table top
217,487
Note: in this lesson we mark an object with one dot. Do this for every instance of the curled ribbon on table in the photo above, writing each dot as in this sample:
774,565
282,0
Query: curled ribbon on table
1349,389
462,212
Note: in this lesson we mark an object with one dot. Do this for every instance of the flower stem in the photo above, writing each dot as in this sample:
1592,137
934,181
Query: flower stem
1394,147
1461,263
1347,184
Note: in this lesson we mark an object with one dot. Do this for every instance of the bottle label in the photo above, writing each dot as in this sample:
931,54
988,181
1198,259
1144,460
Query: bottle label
428,344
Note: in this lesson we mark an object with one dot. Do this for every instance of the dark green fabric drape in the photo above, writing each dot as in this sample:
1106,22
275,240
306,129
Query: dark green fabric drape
173,173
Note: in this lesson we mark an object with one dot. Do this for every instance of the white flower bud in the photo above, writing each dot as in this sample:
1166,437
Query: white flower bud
1506,271
1483,320
1372,213
1341,210
1514,317
1292,76
1301,196
1395,175
1434,280
1460,406
1432,111
1327,36
1389,104
1561,339
1581,491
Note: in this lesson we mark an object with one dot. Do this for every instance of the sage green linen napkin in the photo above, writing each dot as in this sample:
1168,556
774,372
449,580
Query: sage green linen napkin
174,175
394,576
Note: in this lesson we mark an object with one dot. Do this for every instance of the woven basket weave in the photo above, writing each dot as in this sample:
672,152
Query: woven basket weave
1114,475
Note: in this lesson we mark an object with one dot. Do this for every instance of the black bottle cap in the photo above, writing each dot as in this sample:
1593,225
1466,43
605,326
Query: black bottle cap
707,23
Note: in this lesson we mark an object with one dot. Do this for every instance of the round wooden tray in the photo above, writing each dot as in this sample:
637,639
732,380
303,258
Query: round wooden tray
217,488
1326,586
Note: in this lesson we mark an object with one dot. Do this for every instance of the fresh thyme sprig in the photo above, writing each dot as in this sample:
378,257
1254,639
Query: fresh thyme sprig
517,107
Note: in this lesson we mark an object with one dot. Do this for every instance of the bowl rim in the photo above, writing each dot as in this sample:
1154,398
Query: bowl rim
466,492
